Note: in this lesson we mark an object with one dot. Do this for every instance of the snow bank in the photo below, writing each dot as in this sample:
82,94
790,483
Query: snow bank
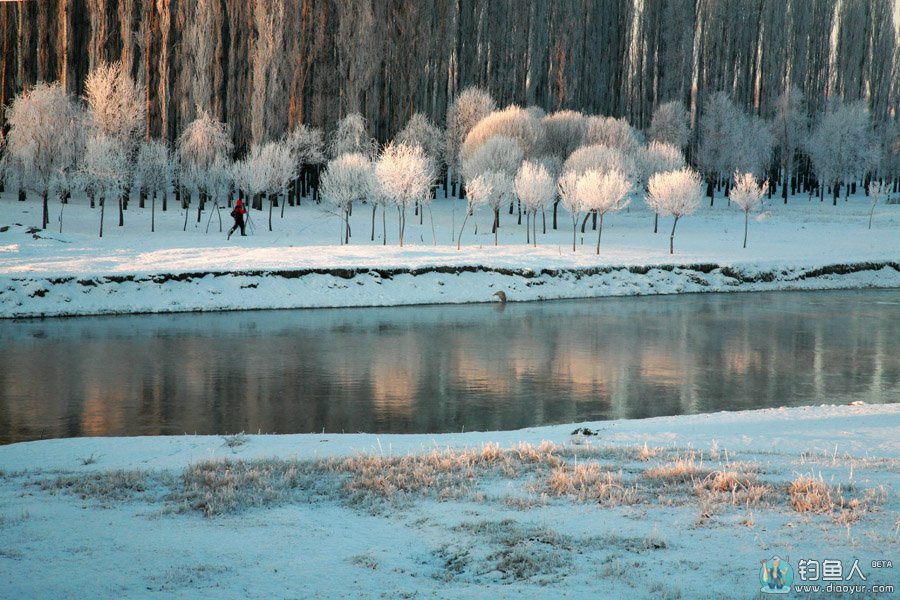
668,533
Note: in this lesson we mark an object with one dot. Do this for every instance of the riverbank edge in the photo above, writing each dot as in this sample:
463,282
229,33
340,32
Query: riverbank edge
32,296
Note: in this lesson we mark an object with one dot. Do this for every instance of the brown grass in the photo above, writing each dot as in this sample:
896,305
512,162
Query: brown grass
810,495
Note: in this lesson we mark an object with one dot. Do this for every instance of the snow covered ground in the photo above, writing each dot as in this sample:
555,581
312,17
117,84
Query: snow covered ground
675,507
301,264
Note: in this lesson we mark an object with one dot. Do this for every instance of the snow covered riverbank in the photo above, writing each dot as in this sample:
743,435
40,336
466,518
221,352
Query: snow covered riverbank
675,507
804,245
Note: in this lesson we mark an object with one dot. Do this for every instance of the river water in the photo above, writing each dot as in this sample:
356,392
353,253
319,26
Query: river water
445,368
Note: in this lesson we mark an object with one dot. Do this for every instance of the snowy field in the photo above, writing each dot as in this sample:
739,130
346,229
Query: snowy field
675,507
301,264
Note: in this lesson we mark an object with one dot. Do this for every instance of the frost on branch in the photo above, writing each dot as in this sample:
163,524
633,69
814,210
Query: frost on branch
564,133
675,193
511,122
45,140
670,125
500,154
203,144
470,107
351,136
404,176
419,131
117,104
613,133
347,179
747,195
535,188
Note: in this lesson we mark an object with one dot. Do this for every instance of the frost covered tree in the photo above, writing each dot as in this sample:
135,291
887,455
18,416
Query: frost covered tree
117,104
404,175
204,143
602,192
613,133
279,165
535,188
492,189
879,191
717,139
571,200
670,125
45,139
601,158
656,158
153,172
419,131
747,195
500,154
117,107
220,181
564,133
470,107
307,148
512,122
351,136
347,179
480,189
105,168
789,129
752,139
675,193
842,146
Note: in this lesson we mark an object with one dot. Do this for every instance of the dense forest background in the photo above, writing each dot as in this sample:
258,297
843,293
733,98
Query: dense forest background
265,65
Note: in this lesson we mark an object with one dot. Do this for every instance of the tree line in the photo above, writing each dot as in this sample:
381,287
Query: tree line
265,66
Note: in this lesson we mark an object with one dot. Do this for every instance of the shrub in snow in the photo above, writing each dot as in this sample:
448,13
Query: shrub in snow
404,175
613,133
351,136
46,138
602,192
346,179
670,125
747,195
535,188
470,107
511,122
675,193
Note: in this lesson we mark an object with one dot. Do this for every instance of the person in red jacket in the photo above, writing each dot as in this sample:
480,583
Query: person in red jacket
238,214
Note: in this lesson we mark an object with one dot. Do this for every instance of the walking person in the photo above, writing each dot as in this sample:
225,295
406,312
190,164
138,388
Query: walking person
238,214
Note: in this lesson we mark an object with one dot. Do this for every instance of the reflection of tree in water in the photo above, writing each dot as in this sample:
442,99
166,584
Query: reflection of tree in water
444,368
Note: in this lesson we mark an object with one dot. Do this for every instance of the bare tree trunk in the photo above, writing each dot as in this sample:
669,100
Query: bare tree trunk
45,217
599,233
746,220
374,208
102,211
672,237
461,229
153,212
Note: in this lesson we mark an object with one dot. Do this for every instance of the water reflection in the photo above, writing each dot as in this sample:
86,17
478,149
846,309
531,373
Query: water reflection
445,368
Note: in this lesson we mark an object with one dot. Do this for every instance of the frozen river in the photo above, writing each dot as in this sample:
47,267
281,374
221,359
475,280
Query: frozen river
445,368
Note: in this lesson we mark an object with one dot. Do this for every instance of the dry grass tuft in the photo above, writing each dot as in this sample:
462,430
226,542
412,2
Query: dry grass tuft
685,468
589,482
810,495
